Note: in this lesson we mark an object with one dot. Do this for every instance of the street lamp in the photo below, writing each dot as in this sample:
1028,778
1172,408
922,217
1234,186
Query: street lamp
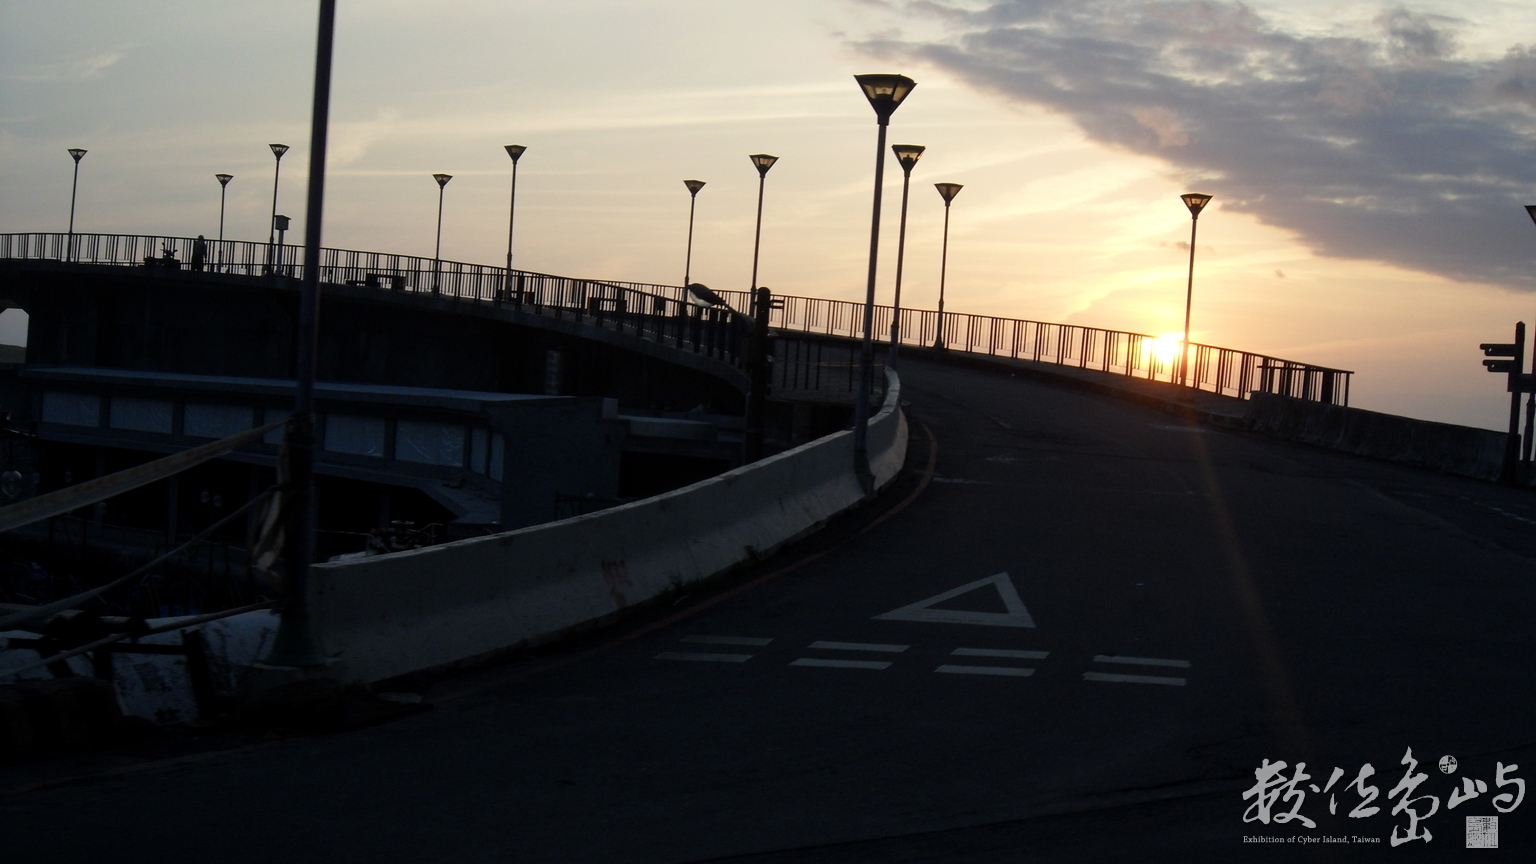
885,94
1195,202
693,198
223,188
907,155
277,151
947,191
761,161
437,254
77,154
515,151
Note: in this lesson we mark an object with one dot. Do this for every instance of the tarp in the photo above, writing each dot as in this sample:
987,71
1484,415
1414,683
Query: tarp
91,491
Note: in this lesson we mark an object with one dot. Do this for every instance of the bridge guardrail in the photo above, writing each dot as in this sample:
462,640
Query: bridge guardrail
662,312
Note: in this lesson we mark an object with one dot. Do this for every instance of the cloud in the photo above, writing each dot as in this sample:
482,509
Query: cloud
66,70
1384,146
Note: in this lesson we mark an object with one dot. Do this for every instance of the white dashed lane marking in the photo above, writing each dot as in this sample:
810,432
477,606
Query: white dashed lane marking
1016,671
695,655
859,646
727,640
842,664
1000,652
1133,679
1140,661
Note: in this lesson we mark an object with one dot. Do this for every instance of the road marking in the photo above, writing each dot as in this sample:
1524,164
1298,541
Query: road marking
859,646
1016,616
727,640
842,664
986,670
1140,661
1000,652
1133,679
694,655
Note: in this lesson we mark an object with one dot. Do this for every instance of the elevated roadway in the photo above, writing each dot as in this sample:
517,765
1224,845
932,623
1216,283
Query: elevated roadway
1201,600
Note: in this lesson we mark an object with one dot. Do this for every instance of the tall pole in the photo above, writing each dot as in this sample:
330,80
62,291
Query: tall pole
223,189
277,152
907,155
294,643
947,191
516,152
1195,202
77,154
693,198
762,161
885,93
437,252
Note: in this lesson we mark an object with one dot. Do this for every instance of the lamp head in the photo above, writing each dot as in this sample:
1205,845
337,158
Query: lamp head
77,153
1195,202
515,150
1530,209
693,186
442,179
885,92
223,178
763,162
907,155
278,150
948,191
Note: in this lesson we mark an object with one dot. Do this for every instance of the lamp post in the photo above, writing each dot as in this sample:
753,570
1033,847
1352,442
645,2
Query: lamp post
1530,401
223,189
693,198
294,643
762,162
1195,202
907,155
277,151
947,191
516,152
885,94
77,154
437,252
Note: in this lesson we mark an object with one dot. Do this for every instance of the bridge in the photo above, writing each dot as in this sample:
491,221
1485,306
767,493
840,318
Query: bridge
1085,606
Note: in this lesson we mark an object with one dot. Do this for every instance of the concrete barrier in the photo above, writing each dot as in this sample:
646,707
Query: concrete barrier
446,605
1444,447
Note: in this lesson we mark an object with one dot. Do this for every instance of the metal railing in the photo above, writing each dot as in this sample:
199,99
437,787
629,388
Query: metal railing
664,313
654,312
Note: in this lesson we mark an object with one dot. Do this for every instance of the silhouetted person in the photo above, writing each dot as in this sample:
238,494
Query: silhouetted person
199,250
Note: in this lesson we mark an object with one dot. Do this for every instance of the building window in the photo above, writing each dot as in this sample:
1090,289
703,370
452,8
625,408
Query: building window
498,455
430,443
479,439
72,409
141,415
215,421
359,436
274,415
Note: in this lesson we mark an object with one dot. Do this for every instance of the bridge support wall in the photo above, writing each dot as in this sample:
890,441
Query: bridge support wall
462,602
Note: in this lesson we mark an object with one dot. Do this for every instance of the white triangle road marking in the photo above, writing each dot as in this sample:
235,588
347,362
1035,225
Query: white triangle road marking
1016,616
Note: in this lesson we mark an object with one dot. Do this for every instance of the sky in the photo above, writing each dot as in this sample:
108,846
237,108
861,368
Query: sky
1369,162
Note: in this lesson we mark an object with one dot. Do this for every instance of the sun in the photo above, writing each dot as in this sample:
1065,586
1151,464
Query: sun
1165,348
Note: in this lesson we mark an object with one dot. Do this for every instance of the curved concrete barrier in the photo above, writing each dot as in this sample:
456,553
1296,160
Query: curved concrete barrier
383,617
1443,447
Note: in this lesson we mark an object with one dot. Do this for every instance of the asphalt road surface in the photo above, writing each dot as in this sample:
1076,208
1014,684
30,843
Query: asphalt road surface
1176,605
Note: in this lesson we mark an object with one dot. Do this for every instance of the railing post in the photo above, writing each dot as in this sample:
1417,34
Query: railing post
757,368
